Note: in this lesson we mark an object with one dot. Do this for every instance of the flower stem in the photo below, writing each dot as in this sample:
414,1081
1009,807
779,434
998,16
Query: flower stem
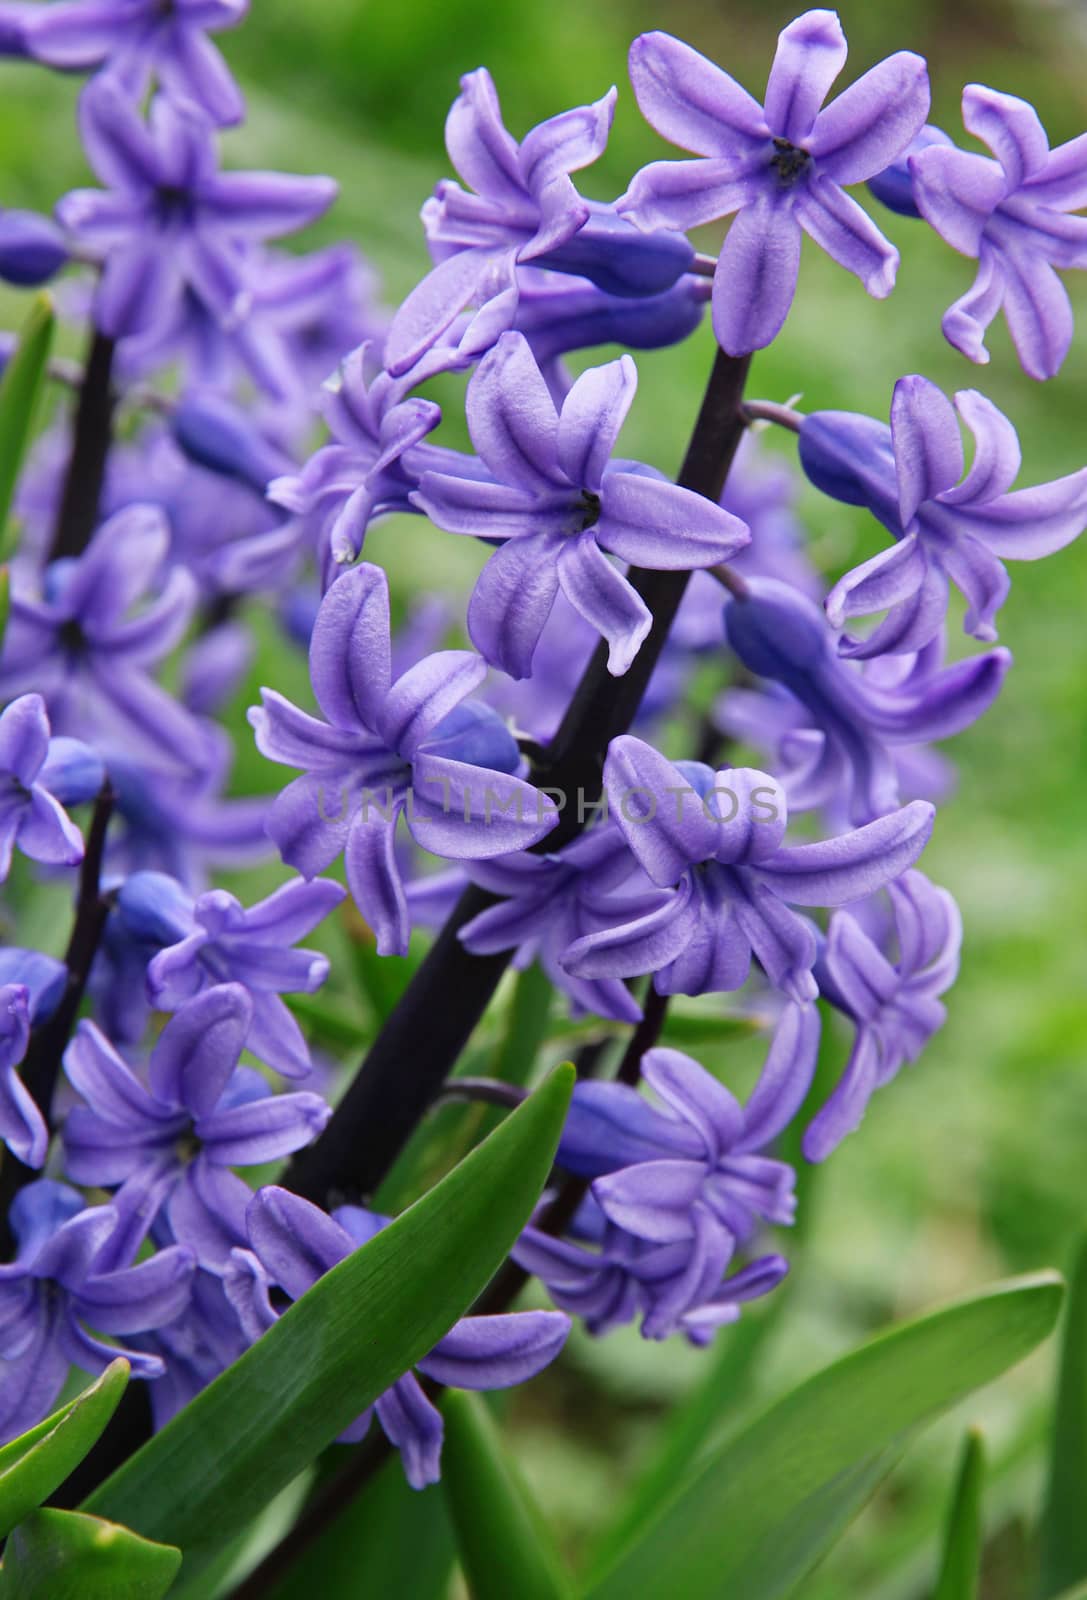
78,514
434,1019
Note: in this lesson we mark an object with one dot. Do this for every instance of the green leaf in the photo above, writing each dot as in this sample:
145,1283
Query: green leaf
340,1346
65,1555
743,1524
960,1566
504,1547
1064,1524
20,387
32,1466
526,1025
5,602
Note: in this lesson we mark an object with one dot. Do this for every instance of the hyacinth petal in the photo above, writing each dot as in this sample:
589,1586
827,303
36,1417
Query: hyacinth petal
755,280
415,1426
264,205
592,415
598,592
752,814
927,444
810,54
73,36
785,1078
287,914
687,194
948,703
262,1130
884,580
997,456
660,815
717,955
350,651
1010,127
982,578
116,139
512,601
659,525
956,193
137,1298
652,1200
843,1112
295,1242
1062,183
199,1048
275,1036
496,1352
1038,312
426,693
1030,523
783,942
119,566
847,233
471,277
512,418
482,509
47,834
870,124
308,822
686,1086
480,148
689,100
139,286
610,1125
835,871
24,738
293,737
566,143
373,877
480,813
94,1068
646,944
193,69
33,1381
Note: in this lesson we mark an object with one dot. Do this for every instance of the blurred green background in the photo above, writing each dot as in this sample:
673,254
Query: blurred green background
974,1164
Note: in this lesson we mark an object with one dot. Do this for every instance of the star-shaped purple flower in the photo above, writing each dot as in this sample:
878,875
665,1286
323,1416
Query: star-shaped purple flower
137,41
198,1115
293,1243
717,841
37,776
168,221
387,749
1011,214
22,1126
947,526
781,167
55,1290
553,494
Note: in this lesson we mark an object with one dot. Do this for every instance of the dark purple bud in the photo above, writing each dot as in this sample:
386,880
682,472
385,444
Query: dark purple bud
620,258
893,187
217,435
32,248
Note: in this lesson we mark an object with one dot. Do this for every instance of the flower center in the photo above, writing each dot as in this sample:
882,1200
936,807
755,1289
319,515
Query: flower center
173,203
71,638
588,507
790,161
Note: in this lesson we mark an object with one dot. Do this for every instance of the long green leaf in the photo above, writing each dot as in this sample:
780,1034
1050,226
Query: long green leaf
20,387
32,1466
340,1346
64,1555
504,1548
5,602
959,1567
734,1528
1064,1524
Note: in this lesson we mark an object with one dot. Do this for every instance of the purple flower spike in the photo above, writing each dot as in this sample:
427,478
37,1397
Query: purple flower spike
388,748
293,1243
22,1127
716,841
948,528
1011,215
520,206
780,167
137,41
553,494
215,939
36,773
199,1115
55,1290
893,1003
169,223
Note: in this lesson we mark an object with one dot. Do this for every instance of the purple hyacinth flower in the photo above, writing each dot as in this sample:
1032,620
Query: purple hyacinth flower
1010,213
36,774
841,725
894,1002
55,1291
293,1243
169,223
140,41
947,527
195,1348
214,939
22,1126
717,841
183,827
322,305
520,206
86,644
559,503
608,1277
391,748
652,1165
199,1115
781,167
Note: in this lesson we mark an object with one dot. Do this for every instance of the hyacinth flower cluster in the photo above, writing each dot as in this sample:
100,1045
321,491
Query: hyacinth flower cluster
185,1158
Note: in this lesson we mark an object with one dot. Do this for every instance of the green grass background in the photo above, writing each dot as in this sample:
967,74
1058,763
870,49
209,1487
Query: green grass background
974,1163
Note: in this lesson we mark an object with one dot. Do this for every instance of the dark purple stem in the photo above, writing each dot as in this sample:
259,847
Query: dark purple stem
91,440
